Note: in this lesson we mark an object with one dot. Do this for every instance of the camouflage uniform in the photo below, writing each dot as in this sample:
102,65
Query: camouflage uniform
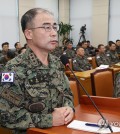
37,89
86,52
117,85
113,57
1,67
81,64
118,49
69,53
57,51
103,58
3,60
3,53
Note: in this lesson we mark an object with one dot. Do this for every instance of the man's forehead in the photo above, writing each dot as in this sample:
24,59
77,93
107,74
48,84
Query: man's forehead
45,18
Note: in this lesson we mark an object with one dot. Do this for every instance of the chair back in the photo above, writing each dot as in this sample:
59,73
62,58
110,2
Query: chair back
102,82
75,91
94,64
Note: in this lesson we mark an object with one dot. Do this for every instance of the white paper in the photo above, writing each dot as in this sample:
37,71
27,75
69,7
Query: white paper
80,125
103,67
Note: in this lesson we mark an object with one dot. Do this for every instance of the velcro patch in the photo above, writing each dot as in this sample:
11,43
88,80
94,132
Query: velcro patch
7,77
11,97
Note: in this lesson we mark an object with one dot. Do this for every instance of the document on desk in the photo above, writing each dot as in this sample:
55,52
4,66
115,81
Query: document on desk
81,125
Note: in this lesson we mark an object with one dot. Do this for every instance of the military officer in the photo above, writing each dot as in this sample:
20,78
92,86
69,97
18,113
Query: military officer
80,62
102,57
34,91
69,52
113,55
57,51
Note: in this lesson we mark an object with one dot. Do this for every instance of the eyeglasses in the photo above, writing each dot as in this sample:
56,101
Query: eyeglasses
48,27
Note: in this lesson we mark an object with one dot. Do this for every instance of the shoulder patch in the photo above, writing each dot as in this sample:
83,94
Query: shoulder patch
74,61
108,54
7,77
64,52
97,57
11,97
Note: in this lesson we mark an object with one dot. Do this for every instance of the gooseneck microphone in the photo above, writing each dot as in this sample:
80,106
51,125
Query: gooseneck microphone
65,61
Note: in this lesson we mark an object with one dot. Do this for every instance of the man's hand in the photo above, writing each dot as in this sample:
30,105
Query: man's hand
68,114
62,115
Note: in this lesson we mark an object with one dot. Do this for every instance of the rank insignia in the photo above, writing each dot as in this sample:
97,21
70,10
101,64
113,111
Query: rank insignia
7,77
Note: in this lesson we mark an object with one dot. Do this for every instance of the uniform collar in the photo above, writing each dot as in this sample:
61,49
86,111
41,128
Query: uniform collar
35,62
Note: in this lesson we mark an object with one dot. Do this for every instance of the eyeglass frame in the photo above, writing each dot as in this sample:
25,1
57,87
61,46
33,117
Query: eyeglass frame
46,25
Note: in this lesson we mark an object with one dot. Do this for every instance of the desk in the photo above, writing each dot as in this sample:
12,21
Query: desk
85,79
110,108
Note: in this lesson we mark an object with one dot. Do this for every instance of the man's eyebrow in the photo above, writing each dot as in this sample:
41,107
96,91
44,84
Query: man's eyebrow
49,23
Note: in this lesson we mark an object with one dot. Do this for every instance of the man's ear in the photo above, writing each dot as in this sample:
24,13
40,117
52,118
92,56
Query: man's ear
28,34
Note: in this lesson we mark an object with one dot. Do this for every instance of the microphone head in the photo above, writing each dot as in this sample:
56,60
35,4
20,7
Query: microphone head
64,60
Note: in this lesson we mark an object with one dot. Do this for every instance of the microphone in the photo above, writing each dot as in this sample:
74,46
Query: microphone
65,62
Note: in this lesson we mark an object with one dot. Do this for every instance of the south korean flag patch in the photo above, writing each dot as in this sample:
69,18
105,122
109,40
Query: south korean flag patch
7,77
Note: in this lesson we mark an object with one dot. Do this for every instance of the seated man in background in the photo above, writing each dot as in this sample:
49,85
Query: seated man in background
91,49
69,52
57,51
17,47
80,62
113,55
34,90
84,45
118,46
4,59
102,58
5,48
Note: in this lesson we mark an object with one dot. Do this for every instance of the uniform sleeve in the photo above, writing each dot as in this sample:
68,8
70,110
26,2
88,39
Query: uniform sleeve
98,60
68,96
13,113
76,66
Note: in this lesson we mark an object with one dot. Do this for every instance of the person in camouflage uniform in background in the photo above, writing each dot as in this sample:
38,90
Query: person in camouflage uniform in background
113,55
57,51
102,57
34,90
117,85
80,62
69,52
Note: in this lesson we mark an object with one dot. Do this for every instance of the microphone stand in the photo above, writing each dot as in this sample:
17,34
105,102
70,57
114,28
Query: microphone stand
67,65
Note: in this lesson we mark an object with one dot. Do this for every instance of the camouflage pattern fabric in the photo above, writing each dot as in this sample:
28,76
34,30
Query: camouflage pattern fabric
103,59
1,68
69,53
37,89
57,51
86,52
117,85
114,58
3,60
81,64
118,49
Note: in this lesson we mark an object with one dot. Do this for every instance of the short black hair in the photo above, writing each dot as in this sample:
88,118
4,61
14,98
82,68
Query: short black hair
99,46
5,43
110,43
117,40
16,44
